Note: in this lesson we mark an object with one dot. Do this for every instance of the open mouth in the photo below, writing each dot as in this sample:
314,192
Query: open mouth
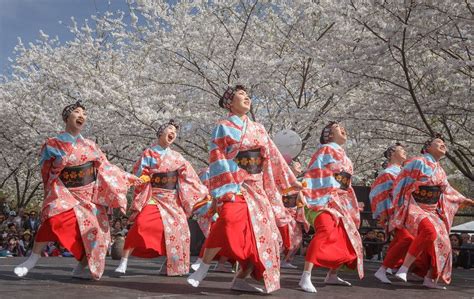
80,121
170,138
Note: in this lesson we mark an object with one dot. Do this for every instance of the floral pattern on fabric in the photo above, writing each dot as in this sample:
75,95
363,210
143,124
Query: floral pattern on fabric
175,205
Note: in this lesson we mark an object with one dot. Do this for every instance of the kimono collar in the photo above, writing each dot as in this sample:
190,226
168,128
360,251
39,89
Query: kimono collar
393,168
158,149
430,158
237,120
66,137
335,146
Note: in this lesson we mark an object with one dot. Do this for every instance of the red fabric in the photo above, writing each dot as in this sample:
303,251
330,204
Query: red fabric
330,246
285,236
147,235
234,234
423,249
64,229
398,248
203,247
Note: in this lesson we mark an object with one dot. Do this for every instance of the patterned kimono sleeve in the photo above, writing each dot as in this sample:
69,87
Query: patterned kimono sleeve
113,182
142,193
46,162
190,188
282,174
451,201
319,177
405,182
223,172
381,196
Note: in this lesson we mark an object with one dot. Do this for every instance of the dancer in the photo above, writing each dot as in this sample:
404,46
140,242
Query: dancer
425,205
246,173
162,207
79,185
291,231
206,214
382,209
333,209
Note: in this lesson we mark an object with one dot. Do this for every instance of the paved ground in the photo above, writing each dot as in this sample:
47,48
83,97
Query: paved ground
51,279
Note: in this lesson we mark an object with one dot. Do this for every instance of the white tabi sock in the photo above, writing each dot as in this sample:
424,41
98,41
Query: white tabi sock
81,272
240,284
122,267
22,269
432,284
306,284
402,273
196,264
382,276
196,278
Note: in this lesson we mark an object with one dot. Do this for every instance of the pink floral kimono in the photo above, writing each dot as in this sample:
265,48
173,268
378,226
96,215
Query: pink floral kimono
175,206
324,192
89,202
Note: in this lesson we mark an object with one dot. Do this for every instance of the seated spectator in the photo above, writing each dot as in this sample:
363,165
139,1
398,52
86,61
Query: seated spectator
124,221
2,221
64,251
54,250
26,242
466,239
371,248
19,219
381,237
117,227
11,229
32,223
13,246
456,243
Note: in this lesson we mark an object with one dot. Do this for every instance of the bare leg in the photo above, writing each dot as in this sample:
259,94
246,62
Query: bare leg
242,274
333,279
79,270
239,283
430,282
209,254
221,265
287,260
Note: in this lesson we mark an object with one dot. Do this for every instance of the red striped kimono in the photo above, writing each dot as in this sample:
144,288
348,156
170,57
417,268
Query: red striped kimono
234,187
381,202
323,194
425,171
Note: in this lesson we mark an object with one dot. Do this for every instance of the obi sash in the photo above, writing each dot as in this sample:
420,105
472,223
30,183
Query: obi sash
164,180
77,176
427,194
344,179
250,160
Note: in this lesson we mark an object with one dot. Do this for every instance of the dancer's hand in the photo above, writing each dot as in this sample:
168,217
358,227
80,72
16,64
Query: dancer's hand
144,179
361,205
301,200
467,203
